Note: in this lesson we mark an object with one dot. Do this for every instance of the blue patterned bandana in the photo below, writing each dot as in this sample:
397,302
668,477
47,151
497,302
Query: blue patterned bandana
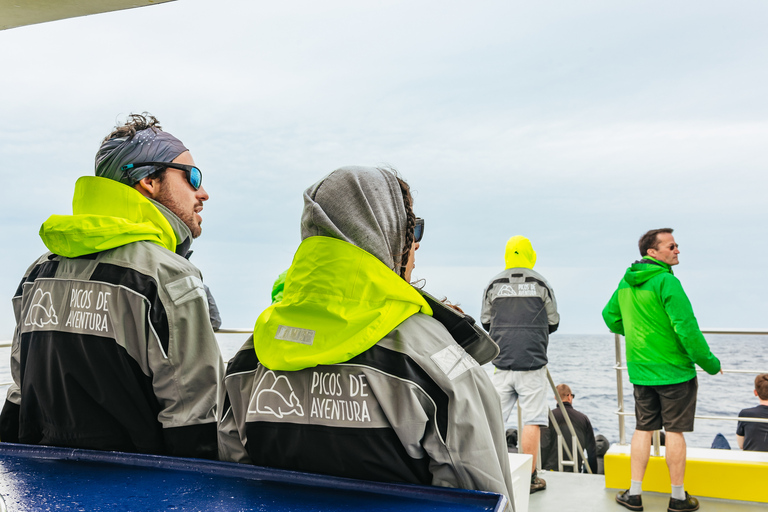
150,145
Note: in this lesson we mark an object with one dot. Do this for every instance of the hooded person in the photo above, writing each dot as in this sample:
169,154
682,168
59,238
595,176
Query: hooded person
356,373
520,312
113,347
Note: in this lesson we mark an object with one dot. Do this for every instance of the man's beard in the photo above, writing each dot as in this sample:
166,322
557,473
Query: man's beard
187,217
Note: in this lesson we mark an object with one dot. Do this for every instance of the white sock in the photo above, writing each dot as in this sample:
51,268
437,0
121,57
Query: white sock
678,492
636,488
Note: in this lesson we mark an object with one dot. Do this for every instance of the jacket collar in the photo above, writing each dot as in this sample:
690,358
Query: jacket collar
181,230
653,261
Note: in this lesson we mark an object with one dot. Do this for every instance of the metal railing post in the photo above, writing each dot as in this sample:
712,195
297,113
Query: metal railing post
559,436
620,391
519,429
657,443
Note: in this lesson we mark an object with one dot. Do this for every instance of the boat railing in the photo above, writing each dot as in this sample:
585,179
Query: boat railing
620,368
569,450
576,444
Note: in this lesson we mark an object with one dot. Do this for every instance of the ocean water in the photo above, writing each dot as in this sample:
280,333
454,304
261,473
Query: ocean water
585,363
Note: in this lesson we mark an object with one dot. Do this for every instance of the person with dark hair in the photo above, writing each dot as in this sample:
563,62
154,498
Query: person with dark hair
113,347
753,436
663,346
650,240
356,373
520,312
584,433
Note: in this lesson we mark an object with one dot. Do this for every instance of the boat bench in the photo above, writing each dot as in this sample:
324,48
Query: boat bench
709,473
48,478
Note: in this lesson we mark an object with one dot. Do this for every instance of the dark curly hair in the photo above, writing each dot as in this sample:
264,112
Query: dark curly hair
135,123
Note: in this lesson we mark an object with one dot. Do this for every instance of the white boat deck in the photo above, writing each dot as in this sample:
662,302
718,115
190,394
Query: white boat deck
570,492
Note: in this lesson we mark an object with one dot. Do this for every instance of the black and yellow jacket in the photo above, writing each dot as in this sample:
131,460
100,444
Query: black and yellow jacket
113,347
354,372
520,310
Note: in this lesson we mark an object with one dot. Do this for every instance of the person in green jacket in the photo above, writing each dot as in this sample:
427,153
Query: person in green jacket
663,345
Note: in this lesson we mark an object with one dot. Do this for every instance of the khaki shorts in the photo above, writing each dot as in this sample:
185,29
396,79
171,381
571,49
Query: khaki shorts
529,387
671,405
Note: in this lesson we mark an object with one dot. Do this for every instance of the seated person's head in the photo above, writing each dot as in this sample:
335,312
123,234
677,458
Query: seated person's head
157,164
368,207
761,386
565,393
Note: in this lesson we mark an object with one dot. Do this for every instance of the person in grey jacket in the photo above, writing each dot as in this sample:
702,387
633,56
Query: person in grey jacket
113,347
354,372
520,312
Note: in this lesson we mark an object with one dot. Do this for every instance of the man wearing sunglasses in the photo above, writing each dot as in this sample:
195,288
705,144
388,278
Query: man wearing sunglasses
520,312
114,348
584,433
663,344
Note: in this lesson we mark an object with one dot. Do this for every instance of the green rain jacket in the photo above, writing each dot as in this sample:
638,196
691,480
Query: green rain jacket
663,340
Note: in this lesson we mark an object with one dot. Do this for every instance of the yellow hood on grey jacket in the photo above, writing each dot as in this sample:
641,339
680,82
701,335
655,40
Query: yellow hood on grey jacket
338,302
109,214
343,292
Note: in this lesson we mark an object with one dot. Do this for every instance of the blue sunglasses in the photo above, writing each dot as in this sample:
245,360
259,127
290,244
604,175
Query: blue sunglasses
418,231
194,175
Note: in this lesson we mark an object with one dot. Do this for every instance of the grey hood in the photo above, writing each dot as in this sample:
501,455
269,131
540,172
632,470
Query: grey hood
360,205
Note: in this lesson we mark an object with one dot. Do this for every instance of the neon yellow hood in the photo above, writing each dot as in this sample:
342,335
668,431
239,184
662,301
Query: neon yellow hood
519,253
106,214
338,302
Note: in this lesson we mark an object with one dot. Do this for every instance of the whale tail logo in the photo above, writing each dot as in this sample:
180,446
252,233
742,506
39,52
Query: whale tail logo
41,312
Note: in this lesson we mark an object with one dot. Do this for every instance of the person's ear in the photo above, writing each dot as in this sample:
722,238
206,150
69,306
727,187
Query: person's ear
754,391
148,186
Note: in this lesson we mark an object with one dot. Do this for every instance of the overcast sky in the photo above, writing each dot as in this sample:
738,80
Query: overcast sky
577,124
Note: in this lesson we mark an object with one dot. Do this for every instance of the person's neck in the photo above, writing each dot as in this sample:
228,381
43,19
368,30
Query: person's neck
763,402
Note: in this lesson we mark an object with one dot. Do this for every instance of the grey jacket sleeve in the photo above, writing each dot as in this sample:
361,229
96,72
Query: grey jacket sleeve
550,304
9,417
485,311
233,396
14,392
186,379
231,447
473,454
213,309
